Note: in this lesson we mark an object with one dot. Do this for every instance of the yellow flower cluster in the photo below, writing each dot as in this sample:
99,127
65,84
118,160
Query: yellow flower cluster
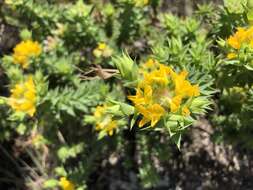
104,121
162,90
103,50
23,97
25,50
66,184
149,65
240,38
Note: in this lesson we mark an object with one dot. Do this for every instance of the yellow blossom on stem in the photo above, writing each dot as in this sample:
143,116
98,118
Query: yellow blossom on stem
238,38
162,90
242,36
185,111
231,55
66,184
23,97
103,50
101,46
104,121
175,103
142,96
151,113
182,86
25,50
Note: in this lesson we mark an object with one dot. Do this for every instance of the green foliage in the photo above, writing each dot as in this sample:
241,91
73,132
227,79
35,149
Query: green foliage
127,68
81,69
78,99
235,6
66,152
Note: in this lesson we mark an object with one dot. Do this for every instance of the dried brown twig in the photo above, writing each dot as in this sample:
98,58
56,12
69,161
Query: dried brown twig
99,71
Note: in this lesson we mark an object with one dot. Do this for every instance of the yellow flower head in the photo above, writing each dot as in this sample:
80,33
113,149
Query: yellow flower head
66,184
175,103
104,121
182,86
101,46
23,97
163,90
238,38
151,113
141,3
24,50
102,50
242,36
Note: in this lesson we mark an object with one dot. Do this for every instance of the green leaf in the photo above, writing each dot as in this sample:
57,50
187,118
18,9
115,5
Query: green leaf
63,153
133,120
235,6
249,67
177,140
17,116
250,16
3,100
169,125
51,183
66,152
127,109
127,68
101,135
60,171
21,129
177,123
250,4
199,105
25,34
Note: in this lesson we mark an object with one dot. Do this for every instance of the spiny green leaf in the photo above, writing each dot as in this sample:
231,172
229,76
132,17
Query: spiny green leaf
235,6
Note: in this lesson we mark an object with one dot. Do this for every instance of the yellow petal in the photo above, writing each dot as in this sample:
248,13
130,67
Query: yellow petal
143,121
231,55
175,103
185,111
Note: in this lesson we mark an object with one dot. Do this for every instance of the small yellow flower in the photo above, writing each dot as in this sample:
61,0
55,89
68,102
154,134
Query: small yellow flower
102,50
23,97
141,3
242,36
156,77
231,55
143,95
185,111
175,103
151,113
66,184
184,87
25,50
102,46
109,126
104,121
238,38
